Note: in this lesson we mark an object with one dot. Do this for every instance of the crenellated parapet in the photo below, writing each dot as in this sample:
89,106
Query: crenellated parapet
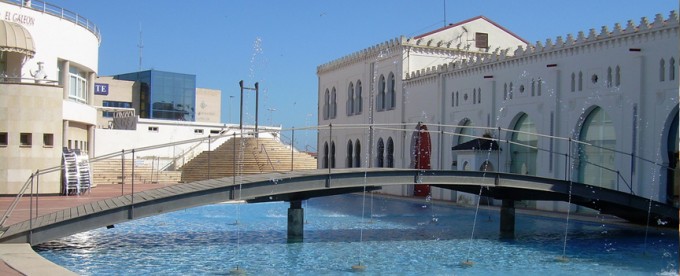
421,45
592,40
371,53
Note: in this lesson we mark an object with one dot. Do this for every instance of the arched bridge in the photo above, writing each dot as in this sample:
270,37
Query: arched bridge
295,186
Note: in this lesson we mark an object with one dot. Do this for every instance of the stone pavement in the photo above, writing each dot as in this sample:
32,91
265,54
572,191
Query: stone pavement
47,204
20,259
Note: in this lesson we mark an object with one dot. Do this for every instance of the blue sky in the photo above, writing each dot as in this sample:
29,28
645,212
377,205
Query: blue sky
280,43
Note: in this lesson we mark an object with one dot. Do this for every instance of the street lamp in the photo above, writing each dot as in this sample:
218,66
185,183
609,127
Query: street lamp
256,88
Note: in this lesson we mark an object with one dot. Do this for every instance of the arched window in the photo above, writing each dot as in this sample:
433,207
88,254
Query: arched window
453,99
357,154
505,91
662,70
381,152
540,85
357,98
671,69
325,155
334,104
474,95
390,153
391,97
609,76
511,91
580,81
487,166
523,147
573,82
533,87
380,101
349,160
466,131
479,95
350,99
596,158
332,158
326,107
617,76
457,98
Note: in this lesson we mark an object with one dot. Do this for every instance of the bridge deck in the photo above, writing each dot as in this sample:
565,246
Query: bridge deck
300,185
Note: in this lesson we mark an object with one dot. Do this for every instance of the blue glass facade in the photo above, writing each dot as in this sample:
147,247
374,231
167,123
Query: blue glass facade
108,114
165,95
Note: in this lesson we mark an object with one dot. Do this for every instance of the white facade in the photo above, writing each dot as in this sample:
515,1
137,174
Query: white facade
617,89
46,91
151,132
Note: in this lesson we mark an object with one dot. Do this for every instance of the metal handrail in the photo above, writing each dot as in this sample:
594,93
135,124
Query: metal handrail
571,157
54,10
21,80
263,148
16,200
188,151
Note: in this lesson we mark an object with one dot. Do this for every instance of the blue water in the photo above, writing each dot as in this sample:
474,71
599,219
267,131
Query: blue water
395,237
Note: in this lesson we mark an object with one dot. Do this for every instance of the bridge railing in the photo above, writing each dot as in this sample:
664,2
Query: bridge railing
598,162
129,160
567,158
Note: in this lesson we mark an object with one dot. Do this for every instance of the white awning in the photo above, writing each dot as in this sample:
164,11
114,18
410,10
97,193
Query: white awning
15,38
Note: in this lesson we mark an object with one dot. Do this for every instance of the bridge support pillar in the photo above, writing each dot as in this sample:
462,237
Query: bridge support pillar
296,218
508,219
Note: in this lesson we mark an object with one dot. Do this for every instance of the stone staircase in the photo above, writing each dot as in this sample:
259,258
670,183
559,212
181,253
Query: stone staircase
109,172
252,155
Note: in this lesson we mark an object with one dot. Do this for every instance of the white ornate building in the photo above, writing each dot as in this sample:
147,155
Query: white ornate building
615,89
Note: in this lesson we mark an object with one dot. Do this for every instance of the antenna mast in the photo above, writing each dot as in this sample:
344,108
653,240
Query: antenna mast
140,45
444,13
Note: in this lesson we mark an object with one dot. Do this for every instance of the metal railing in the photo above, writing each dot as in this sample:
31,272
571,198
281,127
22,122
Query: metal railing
569,152
54,10
4,79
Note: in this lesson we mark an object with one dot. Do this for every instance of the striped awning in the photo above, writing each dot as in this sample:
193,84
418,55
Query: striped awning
15,38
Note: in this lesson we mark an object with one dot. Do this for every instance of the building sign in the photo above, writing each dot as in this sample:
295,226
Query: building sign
19,18
125,119
208,105
101,89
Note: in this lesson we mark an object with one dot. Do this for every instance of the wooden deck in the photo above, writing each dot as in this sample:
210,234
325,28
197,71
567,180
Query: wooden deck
63,216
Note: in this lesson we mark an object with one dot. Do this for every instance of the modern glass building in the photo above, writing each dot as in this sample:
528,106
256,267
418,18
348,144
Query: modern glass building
165,95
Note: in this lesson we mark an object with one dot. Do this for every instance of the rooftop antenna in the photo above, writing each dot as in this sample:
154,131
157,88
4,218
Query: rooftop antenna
140,45
444,13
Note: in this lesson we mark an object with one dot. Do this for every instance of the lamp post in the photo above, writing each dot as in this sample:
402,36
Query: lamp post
257,95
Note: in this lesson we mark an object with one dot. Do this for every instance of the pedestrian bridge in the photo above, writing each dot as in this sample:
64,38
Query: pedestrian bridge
294,186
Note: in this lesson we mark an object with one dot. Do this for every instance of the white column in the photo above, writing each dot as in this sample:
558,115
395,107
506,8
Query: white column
64,134
65,77
90,87
90,141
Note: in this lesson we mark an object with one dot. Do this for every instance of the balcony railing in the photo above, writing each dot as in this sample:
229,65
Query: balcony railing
20,80
57,11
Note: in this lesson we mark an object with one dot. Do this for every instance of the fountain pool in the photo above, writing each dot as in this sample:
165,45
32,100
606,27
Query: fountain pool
404,237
